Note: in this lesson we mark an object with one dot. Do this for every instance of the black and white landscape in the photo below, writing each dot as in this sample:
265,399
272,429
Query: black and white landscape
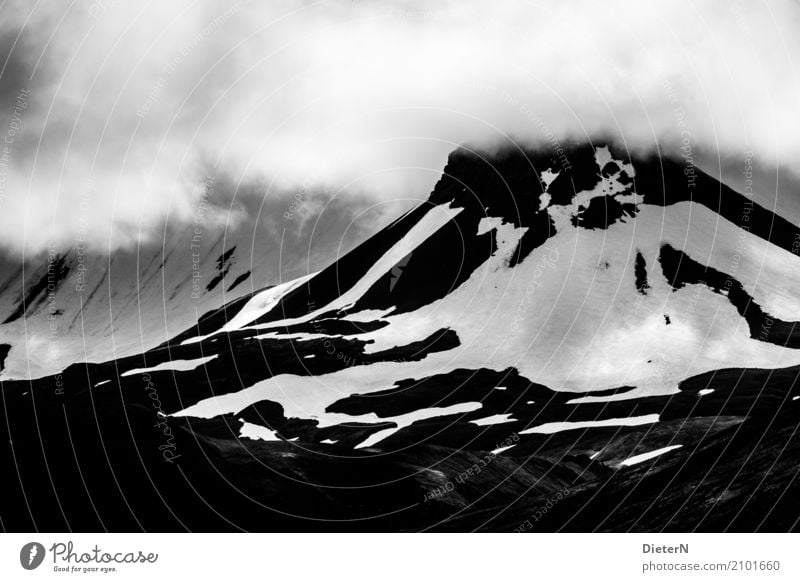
533,328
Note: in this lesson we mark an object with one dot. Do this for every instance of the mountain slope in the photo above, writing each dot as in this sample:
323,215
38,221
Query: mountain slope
599,337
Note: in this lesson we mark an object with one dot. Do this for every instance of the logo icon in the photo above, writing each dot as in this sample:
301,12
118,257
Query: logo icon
397,271
31,555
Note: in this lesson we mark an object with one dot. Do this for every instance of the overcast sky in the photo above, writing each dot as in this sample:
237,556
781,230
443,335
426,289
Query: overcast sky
114,114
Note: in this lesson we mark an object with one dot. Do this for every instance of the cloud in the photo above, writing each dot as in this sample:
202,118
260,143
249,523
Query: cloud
130,107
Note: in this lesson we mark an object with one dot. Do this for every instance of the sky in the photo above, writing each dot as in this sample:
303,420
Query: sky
114,115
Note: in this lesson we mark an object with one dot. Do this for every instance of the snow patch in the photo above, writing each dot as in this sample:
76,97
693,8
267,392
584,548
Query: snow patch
177,365
367,315
647,456
377,437
548,176
300,336
430,223
257,433
488,223
553,427
404,420
494,419
260,304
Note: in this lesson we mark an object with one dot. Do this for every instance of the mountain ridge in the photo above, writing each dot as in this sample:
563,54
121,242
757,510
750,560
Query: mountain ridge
534,328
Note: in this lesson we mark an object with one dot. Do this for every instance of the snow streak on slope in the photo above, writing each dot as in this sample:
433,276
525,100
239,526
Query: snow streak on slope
260,304
552,427
431,221
636,459
177,365
408,419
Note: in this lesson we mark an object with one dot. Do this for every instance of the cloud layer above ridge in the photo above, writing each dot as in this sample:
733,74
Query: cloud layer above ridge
114,114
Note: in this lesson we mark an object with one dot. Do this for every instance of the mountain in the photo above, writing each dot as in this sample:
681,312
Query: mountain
73,304
572,340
